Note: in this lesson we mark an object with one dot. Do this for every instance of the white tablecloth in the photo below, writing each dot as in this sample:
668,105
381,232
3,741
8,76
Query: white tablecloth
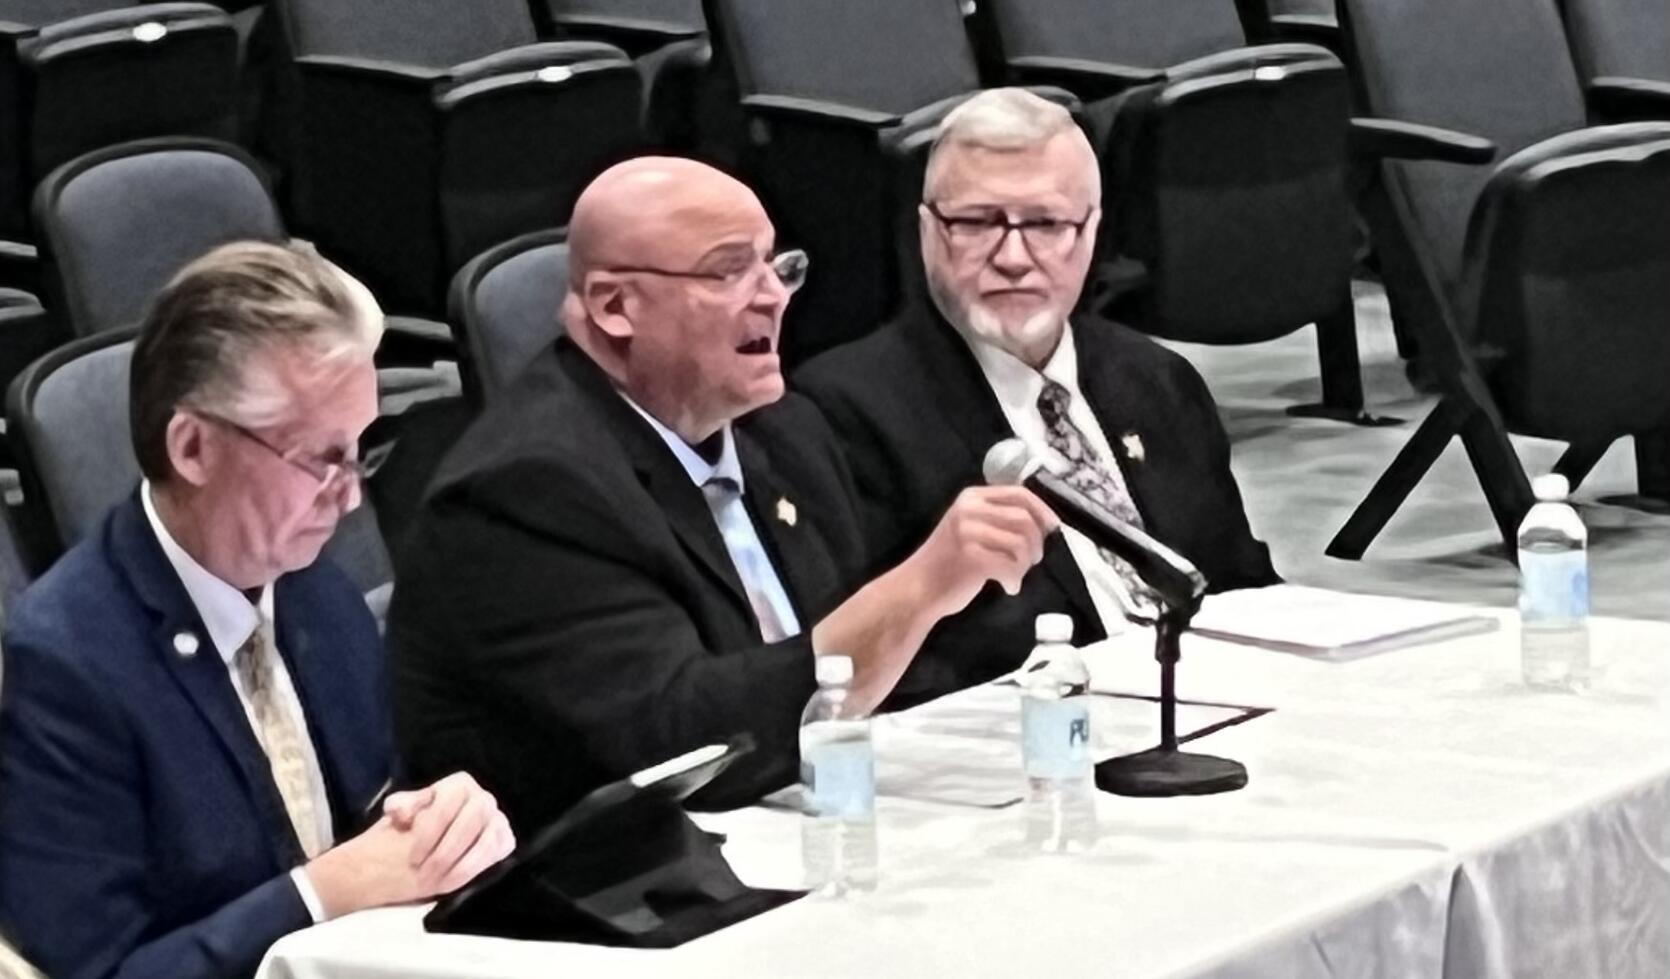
1414,814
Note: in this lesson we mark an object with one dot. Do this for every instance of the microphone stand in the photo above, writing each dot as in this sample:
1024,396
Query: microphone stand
1165,771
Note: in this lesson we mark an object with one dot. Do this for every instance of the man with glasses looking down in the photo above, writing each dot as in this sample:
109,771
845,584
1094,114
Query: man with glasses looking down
194,738
1008,221
641,548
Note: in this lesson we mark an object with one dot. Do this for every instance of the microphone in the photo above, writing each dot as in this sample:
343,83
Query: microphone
1176,582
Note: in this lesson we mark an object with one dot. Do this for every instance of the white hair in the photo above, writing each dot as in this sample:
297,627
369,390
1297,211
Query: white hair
1003,120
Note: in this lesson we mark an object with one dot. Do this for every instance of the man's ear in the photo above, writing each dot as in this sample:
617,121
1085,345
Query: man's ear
191,452
607,303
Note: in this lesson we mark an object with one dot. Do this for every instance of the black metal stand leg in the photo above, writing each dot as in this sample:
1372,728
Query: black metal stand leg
1397,482
1342,372
1652,465
1500,473
1579,460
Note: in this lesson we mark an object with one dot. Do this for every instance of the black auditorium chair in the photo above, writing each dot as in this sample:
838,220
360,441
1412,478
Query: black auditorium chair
504,307
418,133
1622,49
79,74
76,459
685,107
1227,205
1547,274
117,223
841,99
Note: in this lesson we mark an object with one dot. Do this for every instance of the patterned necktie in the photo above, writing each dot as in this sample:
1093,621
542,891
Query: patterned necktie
280,738
1104,485
725,500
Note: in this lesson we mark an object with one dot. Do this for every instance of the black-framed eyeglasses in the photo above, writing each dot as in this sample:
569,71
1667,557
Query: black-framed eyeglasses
1043,236
789,267
325,470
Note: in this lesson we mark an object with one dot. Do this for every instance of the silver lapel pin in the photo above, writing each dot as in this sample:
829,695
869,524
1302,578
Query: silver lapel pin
185,644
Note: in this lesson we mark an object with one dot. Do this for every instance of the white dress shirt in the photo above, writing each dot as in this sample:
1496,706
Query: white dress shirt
736,527
230,619
1017,387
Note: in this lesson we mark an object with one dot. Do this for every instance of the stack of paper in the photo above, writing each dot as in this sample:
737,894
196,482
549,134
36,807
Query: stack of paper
1333,625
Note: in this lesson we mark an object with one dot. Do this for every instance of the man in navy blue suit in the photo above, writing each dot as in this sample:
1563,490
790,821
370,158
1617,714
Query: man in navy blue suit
194,741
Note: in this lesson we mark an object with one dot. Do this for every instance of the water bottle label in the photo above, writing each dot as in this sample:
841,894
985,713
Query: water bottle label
1553,587
841,776
1055,737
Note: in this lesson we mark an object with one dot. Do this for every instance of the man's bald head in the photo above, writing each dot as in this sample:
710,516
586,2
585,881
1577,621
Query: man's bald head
648,206
671,292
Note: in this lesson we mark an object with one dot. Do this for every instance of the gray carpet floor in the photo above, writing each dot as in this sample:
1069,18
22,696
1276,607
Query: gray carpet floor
1302,478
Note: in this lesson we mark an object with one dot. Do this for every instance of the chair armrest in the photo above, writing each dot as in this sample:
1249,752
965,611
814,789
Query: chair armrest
372,69
792,107
1087,78
1618,99
1393,139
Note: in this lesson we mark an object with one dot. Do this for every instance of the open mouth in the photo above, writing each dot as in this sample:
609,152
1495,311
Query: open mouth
758,345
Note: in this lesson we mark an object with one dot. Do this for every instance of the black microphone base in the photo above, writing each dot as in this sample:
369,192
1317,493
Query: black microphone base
1163,772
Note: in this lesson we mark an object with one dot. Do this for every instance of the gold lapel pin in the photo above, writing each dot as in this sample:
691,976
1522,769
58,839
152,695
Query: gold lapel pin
786,511
1133,447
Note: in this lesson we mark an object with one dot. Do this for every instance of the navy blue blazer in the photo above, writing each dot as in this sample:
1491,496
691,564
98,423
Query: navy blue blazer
141,832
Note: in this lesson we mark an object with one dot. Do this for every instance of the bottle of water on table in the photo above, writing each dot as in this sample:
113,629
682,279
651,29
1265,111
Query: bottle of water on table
1553,590
1055,742
837,765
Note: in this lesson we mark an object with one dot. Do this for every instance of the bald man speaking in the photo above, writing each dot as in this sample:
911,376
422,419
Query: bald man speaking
642,547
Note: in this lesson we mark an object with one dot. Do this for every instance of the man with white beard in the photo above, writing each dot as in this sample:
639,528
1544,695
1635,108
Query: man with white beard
1008,220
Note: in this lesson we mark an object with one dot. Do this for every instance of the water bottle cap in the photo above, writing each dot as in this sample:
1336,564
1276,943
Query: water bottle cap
1054,627
833,671
1552,488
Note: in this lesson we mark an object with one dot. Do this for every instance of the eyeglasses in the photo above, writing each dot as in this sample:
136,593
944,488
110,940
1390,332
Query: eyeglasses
326,469
788,266
1043,236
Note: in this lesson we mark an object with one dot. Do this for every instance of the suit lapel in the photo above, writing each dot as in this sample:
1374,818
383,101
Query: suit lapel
1120,408
679,499
306,654
180,639
790,537
969,409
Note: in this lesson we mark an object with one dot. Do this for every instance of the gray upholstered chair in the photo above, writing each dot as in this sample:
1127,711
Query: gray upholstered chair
504,308
117,223
418,133
1540,283
75,458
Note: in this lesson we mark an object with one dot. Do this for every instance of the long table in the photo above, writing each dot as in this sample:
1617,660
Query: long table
1414,814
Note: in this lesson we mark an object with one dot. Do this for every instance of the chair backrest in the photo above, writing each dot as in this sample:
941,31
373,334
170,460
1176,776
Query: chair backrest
100,80
874,54
1495,68
680,13
1569,274
69,418
504,307
76,461
1143,33
1620,37
430,33
39,13
118,223
14,577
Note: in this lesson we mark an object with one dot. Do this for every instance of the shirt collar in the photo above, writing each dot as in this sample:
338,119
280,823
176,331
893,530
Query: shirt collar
227,614
700,470
1016,385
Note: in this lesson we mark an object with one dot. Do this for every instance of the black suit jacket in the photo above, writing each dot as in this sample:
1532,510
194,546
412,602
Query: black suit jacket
917,416
567,613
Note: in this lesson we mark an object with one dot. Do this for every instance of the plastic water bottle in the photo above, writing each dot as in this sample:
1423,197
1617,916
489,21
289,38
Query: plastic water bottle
837,765
1055,742
1554,590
